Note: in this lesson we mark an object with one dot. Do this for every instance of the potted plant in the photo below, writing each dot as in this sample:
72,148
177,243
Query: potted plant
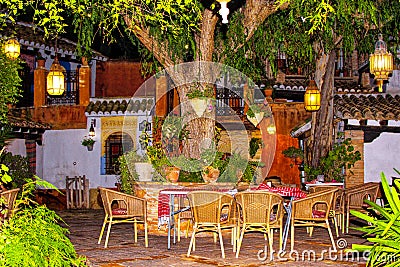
295,154
88,142
210,174
134,164
256,113
199,96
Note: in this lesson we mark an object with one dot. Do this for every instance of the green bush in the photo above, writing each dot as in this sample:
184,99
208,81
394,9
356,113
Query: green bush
18,168
33,236
383,228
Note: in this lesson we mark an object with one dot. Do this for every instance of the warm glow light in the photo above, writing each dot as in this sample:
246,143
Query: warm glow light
12,49
55,79
312,97
381,62
271,129
91,131
224,11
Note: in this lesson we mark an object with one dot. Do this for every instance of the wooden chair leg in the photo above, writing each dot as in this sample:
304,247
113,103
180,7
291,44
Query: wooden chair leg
135,230
102,229
239,243
292,237
331,236
108,233
221,242
146,238
192,240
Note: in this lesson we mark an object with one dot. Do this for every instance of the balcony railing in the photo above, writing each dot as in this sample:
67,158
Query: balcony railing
71,93
229,102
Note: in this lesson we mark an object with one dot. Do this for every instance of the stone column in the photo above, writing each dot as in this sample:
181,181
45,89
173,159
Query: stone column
84,83
39,84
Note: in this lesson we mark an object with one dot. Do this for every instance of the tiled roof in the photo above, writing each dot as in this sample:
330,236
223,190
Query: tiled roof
33,39
24,123
367,107
133,106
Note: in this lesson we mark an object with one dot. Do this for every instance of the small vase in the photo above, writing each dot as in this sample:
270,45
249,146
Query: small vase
89,147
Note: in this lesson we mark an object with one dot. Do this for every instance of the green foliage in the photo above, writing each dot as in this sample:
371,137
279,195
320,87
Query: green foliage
198,90
33,235
383,228
258,108
19,170
254,145
293,152
331,166
87,141
128,176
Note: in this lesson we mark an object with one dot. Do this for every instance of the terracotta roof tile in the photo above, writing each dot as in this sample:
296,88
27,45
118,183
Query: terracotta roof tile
367,107
119,106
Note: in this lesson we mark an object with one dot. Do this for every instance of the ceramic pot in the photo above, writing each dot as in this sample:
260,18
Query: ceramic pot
172,174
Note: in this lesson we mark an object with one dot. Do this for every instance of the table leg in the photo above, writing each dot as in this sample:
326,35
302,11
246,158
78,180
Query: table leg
288,209
170,219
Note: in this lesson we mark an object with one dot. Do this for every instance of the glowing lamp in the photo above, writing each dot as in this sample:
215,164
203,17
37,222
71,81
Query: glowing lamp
224,11
381,62
55,79
312,97
12,49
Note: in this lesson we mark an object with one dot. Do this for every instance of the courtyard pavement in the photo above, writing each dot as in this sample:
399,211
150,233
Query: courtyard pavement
84,227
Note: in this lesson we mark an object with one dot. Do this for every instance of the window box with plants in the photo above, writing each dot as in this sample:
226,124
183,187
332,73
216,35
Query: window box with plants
88,143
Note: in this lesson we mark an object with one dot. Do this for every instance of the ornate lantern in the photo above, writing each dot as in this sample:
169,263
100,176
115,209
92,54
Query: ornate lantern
312,97
381,62
12,49
91,130
224,11
55,79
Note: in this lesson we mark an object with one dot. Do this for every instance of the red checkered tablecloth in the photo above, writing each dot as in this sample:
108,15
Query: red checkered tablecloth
283,191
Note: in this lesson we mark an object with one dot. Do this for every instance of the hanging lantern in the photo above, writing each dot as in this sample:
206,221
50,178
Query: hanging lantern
12,49
224,11
312,97
381,62
91,130
55,79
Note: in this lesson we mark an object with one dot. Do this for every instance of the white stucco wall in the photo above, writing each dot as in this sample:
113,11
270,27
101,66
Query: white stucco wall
17,147
382,155
70,158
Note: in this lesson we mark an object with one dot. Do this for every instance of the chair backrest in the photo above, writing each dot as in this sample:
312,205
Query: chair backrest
112,199
8,197
319,188
207,205
322,201
260,207
356,195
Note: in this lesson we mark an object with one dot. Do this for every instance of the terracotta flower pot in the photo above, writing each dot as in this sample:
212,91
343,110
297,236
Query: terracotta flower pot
210,174
172,174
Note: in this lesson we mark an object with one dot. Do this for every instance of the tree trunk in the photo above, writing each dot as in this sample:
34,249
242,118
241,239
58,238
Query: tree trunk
322,120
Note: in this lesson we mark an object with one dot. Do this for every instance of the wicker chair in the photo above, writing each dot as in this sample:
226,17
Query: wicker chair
212,212
260,212
354,198
337,210
122,208
306,214
183,216
7,203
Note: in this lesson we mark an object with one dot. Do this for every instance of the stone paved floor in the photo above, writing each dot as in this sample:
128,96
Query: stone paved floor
84,227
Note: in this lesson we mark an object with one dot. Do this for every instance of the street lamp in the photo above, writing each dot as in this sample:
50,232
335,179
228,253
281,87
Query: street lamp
55,79
381,62
12,49
224,11
312,97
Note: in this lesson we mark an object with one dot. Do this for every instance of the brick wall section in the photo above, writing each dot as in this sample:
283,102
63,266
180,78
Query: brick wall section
357,178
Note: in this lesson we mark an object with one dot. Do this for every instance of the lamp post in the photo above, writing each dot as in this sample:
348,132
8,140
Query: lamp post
12,49
55,79
381,62
224,11
312,97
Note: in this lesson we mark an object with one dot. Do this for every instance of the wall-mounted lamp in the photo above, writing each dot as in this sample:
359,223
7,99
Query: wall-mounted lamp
381,62
224,11
312,97
12,49
91,129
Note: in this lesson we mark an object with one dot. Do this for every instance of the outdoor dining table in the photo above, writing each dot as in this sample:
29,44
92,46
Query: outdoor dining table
166,206
167,211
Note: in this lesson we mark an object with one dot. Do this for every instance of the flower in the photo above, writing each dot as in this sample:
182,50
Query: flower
87,141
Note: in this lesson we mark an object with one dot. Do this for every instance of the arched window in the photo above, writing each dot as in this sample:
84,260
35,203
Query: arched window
116,144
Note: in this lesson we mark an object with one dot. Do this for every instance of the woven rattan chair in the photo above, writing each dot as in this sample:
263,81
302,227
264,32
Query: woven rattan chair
354,198
212,212
123,208
183,216
337,210
308,212
260,212
7,203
